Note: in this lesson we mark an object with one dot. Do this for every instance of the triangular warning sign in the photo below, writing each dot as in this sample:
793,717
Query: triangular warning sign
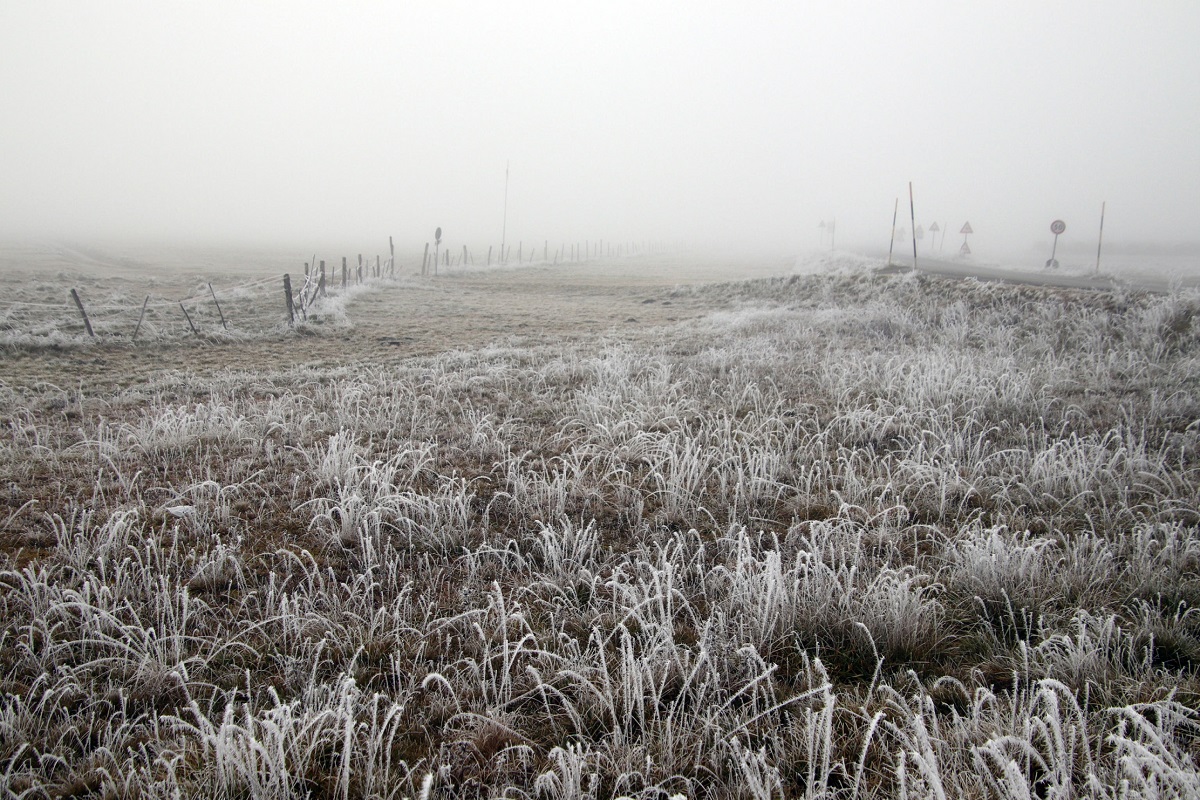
966,228
964,250
934,228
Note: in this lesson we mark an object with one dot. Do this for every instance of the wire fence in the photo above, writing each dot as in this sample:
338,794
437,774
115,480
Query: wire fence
91,311
79,309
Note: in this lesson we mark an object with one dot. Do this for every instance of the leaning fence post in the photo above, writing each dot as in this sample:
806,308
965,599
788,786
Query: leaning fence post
391,253
86,322
218,305
189,319
291,306
141,316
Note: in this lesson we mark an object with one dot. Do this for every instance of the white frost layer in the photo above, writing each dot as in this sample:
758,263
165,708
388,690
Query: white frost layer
835,262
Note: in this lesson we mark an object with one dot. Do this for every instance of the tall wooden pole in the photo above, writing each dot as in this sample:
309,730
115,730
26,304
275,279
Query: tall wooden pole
504,226
892,243
1100,242
912,212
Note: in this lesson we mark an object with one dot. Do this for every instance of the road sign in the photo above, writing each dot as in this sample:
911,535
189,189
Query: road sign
965,250
437,236
920,232
1056,227
934,228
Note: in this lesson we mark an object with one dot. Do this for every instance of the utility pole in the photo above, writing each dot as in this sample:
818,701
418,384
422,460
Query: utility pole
504,228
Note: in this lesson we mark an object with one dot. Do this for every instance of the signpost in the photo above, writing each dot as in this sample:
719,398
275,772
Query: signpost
965,250
1056,227
933,229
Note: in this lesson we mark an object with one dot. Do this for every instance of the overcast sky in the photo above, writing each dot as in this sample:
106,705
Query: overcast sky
689,121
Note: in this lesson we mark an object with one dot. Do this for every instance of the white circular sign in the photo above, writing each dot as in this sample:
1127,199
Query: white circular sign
1057,227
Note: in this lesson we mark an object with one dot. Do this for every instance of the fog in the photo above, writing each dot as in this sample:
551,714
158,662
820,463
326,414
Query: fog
696,123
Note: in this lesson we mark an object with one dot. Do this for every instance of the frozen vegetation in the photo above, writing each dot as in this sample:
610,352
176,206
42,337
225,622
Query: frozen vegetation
847,536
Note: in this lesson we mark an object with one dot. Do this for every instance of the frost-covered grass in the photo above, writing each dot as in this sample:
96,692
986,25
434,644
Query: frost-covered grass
40,313
846,536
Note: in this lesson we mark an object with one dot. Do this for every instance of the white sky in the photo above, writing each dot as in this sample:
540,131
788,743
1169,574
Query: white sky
694,121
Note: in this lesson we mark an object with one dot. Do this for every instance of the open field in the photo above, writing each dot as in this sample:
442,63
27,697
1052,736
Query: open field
635,529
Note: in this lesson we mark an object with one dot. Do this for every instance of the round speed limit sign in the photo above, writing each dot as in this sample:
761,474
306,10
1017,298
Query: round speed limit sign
1057,227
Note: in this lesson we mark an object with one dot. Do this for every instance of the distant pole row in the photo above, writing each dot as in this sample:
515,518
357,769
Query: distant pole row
572,253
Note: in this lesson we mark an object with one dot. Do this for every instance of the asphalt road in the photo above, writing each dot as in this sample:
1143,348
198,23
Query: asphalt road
1048,277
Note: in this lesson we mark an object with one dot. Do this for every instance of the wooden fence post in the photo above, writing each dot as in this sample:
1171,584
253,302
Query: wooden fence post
87,323
425,259
378,269
489,261
141,316
321,285
189,319
291,307
218,305
343,273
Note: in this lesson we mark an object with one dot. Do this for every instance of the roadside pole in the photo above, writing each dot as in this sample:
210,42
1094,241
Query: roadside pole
892,243
912,213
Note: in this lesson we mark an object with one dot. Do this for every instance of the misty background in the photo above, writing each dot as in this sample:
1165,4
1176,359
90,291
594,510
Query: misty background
691,122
